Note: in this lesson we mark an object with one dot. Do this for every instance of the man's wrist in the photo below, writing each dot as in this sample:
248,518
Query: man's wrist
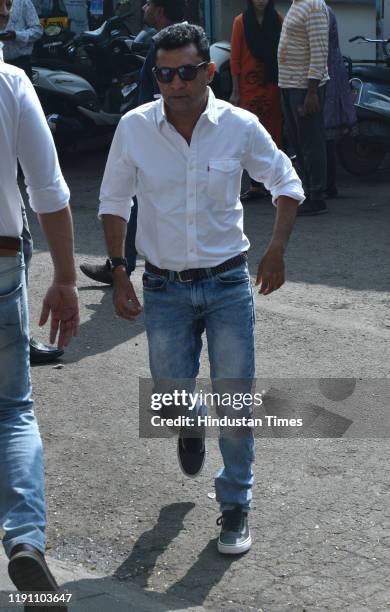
277,246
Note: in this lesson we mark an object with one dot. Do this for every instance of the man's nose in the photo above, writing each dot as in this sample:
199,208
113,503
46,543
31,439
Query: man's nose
177,82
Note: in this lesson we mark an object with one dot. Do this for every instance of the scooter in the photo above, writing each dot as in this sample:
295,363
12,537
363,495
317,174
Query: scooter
86,90
363,153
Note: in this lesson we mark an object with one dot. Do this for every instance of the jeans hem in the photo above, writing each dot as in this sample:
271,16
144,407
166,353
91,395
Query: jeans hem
10,544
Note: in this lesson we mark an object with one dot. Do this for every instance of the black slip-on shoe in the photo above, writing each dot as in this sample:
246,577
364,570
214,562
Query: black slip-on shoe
312,207
42,353
191,453
101,274
29,572
235,537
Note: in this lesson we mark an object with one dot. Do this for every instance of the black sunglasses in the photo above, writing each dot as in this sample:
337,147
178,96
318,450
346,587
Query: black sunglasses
185,73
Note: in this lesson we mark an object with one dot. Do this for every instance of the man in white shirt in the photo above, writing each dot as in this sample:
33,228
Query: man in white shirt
183,157
25,137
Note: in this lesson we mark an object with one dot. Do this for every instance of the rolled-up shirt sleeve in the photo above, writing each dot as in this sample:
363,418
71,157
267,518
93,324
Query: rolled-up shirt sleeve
119,180
35,149
265,163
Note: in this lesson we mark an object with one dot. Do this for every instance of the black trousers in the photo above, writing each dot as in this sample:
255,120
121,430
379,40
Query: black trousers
307,137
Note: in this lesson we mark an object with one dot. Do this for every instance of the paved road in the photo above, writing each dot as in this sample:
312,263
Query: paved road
321,519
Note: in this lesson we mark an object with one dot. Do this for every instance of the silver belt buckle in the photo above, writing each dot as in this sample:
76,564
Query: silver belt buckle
188,280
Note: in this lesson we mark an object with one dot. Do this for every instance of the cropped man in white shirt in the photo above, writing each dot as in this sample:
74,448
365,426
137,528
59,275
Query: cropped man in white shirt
25,137
183,157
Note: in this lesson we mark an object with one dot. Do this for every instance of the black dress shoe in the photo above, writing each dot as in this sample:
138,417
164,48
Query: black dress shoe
41,353
101,274
28,571
191,453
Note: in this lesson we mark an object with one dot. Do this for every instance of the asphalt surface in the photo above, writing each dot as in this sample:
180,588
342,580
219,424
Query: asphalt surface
320,521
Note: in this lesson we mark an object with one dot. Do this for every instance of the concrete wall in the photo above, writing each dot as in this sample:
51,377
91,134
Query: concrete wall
353,19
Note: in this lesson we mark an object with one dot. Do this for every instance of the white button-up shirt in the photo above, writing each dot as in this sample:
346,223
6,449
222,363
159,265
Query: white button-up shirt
189,209
25,135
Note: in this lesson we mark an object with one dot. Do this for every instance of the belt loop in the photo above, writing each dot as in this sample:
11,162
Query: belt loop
171,275
209,273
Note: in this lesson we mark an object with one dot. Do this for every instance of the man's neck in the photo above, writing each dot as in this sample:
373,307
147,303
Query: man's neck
185,123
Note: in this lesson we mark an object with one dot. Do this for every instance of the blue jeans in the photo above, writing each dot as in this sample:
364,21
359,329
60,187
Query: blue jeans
176,315
22,502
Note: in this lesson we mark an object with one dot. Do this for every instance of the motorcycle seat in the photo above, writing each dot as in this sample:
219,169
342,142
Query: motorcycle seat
378,74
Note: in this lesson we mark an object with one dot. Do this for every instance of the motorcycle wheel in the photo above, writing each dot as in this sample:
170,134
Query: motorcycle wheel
359,157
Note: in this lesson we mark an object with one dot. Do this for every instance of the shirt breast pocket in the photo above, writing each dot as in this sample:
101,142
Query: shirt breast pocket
224,181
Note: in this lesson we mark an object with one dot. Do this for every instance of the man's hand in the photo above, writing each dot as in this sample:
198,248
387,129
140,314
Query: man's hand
125,300
63,304
311,105
9,35
270,274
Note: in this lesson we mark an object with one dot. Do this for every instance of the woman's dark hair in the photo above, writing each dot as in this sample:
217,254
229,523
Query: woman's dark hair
173,9
263,40
181,35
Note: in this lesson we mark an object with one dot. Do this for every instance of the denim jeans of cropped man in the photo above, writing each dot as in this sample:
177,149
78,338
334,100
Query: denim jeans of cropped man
176,316
22,503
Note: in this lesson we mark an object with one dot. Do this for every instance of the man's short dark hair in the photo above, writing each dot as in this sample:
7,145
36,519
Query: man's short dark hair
174,10
181,35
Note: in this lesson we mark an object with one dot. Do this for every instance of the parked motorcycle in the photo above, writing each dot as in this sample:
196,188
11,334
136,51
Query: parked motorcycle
88,85
363,153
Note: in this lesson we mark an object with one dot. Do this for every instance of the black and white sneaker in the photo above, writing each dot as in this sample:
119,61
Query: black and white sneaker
235,537
191,453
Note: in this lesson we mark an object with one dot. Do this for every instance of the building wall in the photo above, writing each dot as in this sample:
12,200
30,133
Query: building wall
353,19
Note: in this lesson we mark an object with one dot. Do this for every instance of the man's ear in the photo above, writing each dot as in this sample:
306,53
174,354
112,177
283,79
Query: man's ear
212,69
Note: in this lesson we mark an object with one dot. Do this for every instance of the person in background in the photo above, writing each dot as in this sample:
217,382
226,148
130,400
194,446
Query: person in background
303,74
254,69
158,14
20,28
339,112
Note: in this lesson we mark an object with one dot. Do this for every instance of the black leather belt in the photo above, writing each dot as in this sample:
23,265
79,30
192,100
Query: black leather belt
198,273
9,246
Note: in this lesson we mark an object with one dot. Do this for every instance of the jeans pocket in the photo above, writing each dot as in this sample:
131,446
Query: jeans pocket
11,316
153,282
236,276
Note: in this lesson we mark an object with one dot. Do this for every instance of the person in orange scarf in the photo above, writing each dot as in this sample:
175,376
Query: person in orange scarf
254,69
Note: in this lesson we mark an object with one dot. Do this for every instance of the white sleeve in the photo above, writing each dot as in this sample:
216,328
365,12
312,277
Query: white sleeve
37,154
265,163
119,180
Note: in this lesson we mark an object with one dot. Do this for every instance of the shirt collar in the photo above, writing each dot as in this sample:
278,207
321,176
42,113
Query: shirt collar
210,111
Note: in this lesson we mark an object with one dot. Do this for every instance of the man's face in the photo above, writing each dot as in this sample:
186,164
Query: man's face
181,96
5,10
152,14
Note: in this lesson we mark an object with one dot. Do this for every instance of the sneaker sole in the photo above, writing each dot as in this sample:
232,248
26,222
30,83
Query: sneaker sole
235,549
181,466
